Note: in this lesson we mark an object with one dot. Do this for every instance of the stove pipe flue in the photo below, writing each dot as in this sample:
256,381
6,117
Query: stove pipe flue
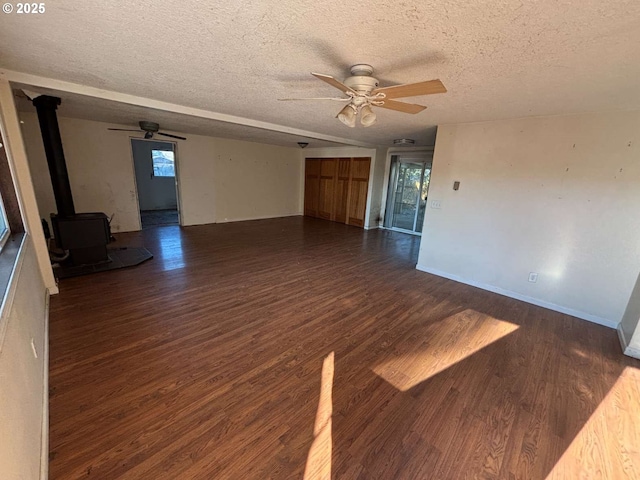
46,107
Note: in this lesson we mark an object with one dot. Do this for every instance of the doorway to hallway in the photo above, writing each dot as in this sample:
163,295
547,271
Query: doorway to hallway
156,182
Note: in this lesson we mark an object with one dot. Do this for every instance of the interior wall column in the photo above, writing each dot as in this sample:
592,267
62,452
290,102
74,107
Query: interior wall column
629,327
21,174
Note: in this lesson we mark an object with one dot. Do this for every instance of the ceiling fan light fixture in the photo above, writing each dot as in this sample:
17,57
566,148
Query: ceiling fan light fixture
367,116
362,91
348,116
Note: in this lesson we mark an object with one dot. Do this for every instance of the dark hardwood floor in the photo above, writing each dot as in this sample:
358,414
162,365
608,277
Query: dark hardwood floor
206,363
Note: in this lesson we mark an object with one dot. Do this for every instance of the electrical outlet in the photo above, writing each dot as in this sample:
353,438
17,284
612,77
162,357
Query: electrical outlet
533,277
436,204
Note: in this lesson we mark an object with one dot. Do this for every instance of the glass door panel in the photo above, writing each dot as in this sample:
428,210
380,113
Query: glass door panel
408,190
407,194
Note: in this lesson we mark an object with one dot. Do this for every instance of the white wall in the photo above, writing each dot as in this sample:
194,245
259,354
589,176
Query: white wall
154,193
220,180
23,386
629,328
99,165
375,180
377,189
242,180
558,196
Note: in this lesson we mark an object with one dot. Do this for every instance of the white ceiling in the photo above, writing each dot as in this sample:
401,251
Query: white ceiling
498,58
122,114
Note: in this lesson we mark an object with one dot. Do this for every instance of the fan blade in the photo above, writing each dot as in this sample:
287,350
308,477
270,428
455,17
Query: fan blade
172,136
333,82
124,130
401,106
412,89
316,98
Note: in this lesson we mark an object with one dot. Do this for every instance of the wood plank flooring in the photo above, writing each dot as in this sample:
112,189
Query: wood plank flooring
205,363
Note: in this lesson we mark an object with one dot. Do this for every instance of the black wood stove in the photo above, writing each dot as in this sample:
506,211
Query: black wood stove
84,235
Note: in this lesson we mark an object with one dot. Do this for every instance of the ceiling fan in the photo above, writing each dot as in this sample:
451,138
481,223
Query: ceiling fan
149,129
363,92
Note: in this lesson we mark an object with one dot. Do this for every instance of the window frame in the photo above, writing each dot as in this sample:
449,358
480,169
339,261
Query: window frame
4,236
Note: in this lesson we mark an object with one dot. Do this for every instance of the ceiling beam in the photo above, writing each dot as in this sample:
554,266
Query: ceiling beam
60,85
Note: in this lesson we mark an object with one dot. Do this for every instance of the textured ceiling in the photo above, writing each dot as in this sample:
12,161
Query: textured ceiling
498,58
89,108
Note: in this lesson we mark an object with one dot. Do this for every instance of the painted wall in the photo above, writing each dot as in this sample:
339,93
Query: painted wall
375,179
247,180
377,189
554,195
154,193
220,180
99,165
23,383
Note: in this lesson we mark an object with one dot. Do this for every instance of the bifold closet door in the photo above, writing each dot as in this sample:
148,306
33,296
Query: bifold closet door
342,190
336,189
358,189
311,186
326,200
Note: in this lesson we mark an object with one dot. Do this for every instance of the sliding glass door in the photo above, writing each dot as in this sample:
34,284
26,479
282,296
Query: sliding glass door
407,199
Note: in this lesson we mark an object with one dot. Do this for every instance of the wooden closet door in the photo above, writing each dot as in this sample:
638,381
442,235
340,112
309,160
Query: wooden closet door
311,186
342,190
358,188
327,188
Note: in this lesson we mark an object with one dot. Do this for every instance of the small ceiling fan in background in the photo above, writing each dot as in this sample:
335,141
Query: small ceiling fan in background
149,129
363,92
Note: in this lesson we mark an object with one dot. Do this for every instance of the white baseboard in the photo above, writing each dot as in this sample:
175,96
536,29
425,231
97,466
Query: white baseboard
244,219
375,227
44,444
518,296
262,217
630,351
623,341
